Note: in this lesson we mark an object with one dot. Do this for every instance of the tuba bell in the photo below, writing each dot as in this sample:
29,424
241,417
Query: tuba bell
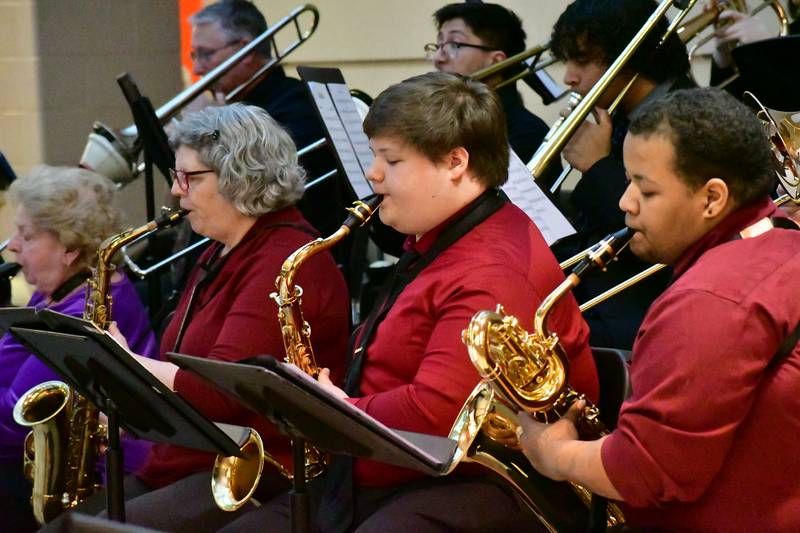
234,479
528,372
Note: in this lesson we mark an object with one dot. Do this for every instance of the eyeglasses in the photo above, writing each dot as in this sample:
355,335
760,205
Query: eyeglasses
205,54
182,177
451,48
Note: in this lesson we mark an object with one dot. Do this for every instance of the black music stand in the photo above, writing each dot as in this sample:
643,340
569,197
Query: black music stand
304,411
154,143
95,365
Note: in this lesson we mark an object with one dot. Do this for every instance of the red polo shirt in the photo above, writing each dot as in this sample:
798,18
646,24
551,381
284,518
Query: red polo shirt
417,373
708,439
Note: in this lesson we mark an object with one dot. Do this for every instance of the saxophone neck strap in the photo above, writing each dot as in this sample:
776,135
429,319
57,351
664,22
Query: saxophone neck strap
69,285
759,228
408,267
212,266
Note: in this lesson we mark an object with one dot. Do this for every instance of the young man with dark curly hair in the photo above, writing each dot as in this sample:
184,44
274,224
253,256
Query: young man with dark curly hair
707,440
588,36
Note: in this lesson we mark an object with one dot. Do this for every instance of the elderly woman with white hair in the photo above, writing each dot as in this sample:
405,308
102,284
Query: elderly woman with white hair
62,216
236,173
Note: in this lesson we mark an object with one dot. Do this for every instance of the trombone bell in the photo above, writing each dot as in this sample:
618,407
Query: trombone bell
108,155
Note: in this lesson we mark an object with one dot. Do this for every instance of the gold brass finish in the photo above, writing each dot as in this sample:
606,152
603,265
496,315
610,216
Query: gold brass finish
125,144
551,149
234,479
62,449
692,27
514,61
528,372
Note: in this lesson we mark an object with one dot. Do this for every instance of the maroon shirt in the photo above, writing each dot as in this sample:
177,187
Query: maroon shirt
417,373
234,318
708,440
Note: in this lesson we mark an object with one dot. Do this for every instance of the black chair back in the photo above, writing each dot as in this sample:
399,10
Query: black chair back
615,382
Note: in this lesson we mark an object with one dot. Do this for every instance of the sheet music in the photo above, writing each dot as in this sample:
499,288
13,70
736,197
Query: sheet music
351,120
526,194
341,142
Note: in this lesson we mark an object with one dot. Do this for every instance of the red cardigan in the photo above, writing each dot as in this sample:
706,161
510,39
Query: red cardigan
234,319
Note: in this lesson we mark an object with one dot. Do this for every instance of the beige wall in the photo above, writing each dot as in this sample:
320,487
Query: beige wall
380,43
59,60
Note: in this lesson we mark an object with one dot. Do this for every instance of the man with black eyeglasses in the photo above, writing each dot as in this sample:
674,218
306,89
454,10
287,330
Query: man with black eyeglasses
473,36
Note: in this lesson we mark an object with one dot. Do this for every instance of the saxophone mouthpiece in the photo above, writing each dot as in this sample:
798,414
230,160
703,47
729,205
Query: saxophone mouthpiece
362,210
604,251
168,217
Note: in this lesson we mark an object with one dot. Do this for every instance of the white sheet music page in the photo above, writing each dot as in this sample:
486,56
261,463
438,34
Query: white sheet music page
352,122
526,194
340,139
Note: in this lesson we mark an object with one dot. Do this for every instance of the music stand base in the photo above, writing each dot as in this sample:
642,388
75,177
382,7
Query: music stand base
298,496
115,493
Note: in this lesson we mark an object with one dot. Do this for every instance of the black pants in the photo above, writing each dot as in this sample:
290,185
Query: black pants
436,505
16,513
186,505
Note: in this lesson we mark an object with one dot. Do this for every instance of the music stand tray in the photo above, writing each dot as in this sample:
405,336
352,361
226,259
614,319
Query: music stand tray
283,393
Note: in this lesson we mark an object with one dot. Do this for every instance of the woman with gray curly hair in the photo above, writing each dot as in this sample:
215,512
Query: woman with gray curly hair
62,216
236,174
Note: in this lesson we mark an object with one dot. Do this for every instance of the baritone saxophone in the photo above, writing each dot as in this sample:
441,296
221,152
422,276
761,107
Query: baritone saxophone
528,372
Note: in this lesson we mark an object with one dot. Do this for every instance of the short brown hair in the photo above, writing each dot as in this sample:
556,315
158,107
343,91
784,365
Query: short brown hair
437,112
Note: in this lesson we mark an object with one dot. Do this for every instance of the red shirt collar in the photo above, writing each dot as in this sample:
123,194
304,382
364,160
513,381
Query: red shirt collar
724,232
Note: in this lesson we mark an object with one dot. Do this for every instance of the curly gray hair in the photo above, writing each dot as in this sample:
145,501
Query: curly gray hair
74,204
254,157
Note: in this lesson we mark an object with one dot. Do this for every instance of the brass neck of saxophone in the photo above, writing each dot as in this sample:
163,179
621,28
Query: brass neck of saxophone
296,332
598,256
98,298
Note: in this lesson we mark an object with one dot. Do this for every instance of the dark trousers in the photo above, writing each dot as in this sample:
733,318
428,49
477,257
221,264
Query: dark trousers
16,513
186,505
436,505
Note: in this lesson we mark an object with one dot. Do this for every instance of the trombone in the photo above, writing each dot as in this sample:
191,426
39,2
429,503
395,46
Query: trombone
566,127
114,153
532,60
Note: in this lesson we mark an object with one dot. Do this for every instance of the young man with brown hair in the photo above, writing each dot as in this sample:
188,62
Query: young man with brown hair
440,155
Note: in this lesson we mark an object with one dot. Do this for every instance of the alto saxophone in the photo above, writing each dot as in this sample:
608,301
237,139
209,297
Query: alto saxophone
61,451
234,479
528,372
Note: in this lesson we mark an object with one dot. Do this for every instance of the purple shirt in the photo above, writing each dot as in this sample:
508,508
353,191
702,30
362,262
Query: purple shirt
20,370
